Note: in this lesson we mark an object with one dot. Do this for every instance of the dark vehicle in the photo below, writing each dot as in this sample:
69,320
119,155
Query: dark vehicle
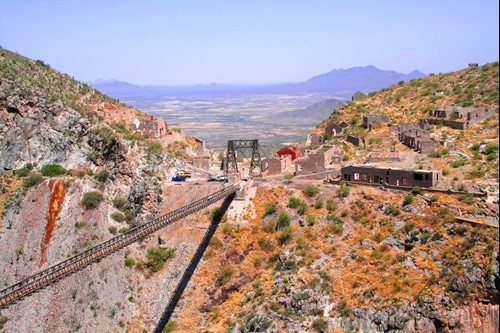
179,179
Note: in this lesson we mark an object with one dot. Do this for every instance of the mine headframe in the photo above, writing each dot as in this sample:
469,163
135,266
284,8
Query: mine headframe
242,146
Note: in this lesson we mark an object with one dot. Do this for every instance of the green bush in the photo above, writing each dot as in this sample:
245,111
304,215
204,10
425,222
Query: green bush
122,230
285,235
302,209
129,262
416,190
92,199
81,224
102,176
118,217
343,191
51,170
491,148
24,171
112,229
32,180
120,203
3,320
270,227
169,327
391,210
283,220
408,200
225,274
293,202
270,208
154,148
319,203
157,257
312,190
458,163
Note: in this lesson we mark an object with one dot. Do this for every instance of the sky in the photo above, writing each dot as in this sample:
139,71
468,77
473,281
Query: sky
183,42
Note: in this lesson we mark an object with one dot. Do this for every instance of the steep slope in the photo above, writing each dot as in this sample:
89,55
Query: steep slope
70,180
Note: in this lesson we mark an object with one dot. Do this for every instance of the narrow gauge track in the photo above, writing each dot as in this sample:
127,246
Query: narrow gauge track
58,271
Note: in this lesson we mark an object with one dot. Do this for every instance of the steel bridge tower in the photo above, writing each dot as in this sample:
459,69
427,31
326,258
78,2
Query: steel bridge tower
241,145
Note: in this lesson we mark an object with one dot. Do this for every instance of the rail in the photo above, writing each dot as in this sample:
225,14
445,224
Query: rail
56,272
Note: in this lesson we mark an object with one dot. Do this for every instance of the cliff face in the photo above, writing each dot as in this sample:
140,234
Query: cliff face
48,119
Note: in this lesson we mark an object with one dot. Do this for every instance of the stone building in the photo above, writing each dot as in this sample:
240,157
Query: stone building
390,176
154,127
373,119
314,138
332,129
117,115
276,165
357,141
317,161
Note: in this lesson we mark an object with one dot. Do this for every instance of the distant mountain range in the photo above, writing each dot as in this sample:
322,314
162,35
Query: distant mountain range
338,82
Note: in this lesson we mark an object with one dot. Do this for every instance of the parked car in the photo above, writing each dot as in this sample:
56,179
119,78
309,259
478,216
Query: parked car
218,178
184,174
179,179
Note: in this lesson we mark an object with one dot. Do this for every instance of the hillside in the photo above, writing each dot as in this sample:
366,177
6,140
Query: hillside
306,256
293,254
317,111
71,177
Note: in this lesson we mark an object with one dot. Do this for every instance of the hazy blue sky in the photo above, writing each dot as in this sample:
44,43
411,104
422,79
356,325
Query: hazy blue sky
232,41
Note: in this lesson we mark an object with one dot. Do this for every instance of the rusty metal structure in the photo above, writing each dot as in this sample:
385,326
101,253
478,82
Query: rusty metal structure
241,146
54,273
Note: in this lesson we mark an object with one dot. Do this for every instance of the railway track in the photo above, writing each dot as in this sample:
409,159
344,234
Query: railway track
40,280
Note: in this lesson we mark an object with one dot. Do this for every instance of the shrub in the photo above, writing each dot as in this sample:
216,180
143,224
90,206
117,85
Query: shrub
283,220
118,217
157,257
129,262
266,244
458,163
112,229
32,180
270,208
490,148
123,230
270,227
312,190
102,176
311,219
225,274
434,198
302,209
92,199
391,210
3,320
169,327
446,172
491,156
120,203
24,171
319,203
154,148
331,206
408,200
343,191
293,202
50,170
319,325
285,236
416,190
81,224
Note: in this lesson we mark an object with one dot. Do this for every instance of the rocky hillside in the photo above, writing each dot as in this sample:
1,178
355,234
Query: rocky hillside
68,181
312,257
